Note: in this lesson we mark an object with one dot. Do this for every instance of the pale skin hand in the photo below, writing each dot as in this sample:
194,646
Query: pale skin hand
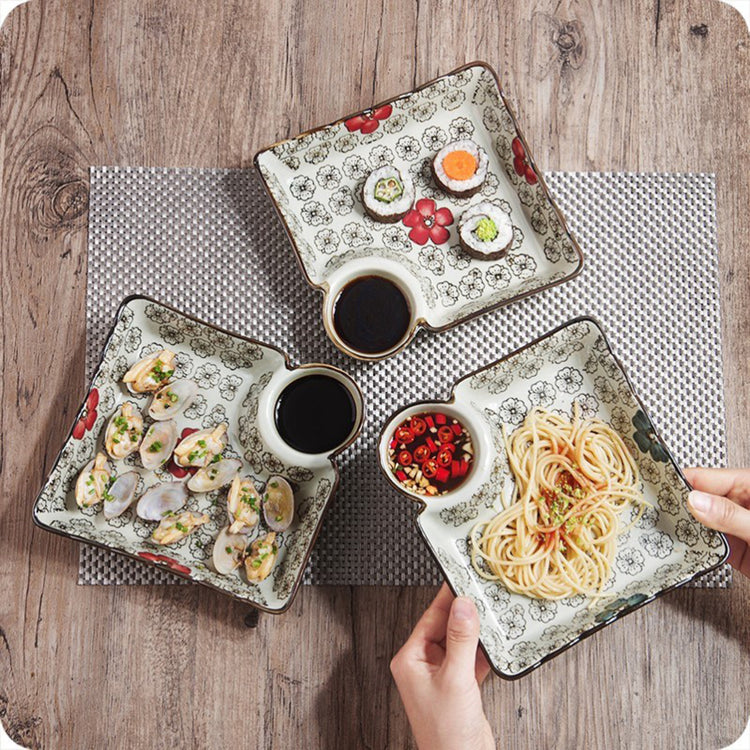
438,672
721,501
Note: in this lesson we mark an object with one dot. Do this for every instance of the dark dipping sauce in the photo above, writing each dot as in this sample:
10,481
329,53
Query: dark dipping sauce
371,315
315,414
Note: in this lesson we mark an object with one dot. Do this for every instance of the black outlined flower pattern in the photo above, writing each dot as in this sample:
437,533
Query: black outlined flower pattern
453,99
328,177
569,380
498,276
542,610
542,394
355,235
687,532
327,241
629,561
302,187
314,213
396,239
657,544
381,156
512,411
207,376
521,265
588,405
457,258
355,167
341,201
431,258
408,148
448,293
434,138
461,129
228,386
472,285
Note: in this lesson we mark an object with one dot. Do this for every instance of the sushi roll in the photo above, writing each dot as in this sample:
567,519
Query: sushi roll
485,231
387,195
460,168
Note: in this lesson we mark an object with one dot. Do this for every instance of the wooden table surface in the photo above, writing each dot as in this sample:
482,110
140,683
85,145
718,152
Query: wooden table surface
607,85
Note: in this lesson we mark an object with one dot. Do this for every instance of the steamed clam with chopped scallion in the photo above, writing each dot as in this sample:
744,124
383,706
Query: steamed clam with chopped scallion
175,527
124,431
171,400
158,443
243,505
151,373
199,448
161,499
120,495
219,473
260,561
92,481
229,551
278,504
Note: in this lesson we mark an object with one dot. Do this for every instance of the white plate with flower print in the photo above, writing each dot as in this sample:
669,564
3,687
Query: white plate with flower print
315,182
664,549
239,381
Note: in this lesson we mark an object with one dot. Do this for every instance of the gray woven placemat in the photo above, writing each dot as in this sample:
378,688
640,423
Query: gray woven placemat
209,243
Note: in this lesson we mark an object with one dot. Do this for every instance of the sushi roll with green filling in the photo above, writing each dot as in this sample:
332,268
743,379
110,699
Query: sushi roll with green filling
387,195
460,168
485,231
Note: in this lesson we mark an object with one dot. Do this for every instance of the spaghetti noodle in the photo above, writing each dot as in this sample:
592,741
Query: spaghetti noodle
558,538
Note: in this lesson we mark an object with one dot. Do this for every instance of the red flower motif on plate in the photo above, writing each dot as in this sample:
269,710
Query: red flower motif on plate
520,163
88,415
368,121
428,223
170,562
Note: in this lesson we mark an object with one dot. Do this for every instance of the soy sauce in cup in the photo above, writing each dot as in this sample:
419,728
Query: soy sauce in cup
315,414
371,315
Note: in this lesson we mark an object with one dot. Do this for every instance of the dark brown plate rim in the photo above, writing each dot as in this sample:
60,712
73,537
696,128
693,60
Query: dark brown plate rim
423,505
145,561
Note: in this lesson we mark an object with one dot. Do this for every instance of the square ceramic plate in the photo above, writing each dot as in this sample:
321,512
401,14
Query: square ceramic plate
239,380
664,549
315,181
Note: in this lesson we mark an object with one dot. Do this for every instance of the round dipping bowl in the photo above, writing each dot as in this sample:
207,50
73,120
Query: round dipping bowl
283,395
478,432
357,298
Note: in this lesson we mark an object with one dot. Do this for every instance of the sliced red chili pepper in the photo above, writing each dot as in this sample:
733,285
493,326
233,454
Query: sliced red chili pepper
430,421
456,427
440,419
404,435
464,467
442,475
401,476
448,447
421,453
404,458
431,445
444,458
418,426
445,434
394,443
430,468
455,468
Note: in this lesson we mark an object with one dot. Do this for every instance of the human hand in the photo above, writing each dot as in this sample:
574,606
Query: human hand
438,672
721,501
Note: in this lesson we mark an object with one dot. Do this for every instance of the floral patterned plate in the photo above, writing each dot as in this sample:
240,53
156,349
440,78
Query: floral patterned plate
664,549
239,381
315,181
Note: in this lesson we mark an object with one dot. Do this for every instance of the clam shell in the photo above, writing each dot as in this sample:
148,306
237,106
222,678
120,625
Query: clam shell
262,557
172,399
174,528
243,513
158,444
199,448
123,437
120,495
215,475
160,499
229,551
278,504
150,373
92,481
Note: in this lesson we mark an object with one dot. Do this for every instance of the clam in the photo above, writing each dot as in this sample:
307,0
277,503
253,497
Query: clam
160,499
229,550
151,373
158,444
215,475
124,431
118,498
278,504
172,399
199,448
92,481
173,528
260,561
243,505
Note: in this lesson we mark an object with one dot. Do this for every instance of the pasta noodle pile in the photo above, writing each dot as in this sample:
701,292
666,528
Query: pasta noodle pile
558,536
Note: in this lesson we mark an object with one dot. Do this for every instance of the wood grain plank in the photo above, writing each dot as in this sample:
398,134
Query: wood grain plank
633,85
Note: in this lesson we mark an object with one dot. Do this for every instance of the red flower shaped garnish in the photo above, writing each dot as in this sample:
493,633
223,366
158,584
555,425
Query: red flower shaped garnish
368,121
88,415
521,164
170,562
427,223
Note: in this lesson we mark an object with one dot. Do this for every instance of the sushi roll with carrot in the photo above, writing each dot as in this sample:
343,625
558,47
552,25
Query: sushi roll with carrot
460,168
485,231
387,194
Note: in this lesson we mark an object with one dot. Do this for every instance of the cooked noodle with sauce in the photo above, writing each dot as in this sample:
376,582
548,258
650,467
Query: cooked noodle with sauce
558,537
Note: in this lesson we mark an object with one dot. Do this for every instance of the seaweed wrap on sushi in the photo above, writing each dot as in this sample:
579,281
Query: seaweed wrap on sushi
460,168
387,194
485,231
